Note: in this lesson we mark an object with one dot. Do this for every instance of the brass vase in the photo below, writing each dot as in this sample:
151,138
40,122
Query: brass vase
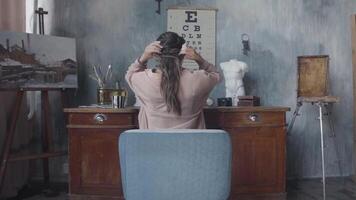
104,96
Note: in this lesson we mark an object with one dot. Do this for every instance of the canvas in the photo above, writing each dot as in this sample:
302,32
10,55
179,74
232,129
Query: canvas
30,61
313,73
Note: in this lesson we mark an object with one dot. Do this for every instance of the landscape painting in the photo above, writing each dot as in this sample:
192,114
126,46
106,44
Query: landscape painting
30,61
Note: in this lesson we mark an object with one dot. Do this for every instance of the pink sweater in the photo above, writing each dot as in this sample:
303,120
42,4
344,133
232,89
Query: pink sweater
195,87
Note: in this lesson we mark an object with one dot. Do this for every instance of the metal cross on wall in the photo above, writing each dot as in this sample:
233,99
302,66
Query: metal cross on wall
41,14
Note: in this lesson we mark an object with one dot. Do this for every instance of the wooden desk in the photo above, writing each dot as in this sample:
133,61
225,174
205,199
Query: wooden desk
258,150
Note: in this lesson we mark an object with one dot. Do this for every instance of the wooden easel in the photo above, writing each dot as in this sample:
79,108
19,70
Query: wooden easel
47,142
313,72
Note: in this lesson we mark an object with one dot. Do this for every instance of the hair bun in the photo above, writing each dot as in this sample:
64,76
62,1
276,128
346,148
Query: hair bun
171,43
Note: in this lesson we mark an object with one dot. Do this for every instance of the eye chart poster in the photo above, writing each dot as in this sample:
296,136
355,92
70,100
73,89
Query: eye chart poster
198,28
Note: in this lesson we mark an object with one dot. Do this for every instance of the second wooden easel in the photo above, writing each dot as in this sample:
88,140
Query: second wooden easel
47,139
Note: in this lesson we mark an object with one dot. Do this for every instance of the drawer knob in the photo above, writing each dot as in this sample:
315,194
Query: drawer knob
100,118
253,117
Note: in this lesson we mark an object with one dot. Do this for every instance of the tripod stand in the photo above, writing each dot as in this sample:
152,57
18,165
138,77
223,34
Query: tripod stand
323,104
312,88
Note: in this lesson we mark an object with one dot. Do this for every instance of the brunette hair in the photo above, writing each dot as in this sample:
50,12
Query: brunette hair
170,65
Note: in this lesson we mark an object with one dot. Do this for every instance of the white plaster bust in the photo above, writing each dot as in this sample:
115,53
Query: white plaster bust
234,72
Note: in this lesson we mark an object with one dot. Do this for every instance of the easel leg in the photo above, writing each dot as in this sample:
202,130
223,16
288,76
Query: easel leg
322,146
46,133
333,135
64,98
295,114
9,137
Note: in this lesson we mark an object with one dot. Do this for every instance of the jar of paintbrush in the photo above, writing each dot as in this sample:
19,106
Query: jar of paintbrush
118,97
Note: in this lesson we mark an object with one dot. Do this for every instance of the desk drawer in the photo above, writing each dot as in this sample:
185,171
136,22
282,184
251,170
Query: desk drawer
102,119
247,119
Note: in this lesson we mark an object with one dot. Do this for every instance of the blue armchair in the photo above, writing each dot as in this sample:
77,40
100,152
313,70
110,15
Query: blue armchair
175,164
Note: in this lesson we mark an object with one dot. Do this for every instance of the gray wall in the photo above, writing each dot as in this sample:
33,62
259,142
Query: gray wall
116,31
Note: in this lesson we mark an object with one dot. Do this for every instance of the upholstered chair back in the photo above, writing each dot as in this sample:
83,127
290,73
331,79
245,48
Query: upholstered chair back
175,164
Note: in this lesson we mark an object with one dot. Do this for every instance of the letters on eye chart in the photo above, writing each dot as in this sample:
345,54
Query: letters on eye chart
198,28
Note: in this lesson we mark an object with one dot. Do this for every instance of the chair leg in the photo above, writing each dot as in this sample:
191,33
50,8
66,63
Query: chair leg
319,104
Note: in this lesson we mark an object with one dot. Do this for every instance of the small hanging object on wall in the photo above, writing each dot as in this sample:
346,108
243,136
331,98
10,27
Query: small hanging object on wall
245,43
158,11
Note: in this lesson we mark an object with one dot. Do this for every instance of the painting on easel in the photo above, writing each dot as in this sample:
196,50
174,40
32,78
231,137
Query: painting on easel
30,61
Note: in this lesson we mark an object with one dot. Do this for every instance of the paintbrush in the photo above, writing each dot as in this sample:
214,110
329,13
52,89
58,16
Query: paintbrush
108,71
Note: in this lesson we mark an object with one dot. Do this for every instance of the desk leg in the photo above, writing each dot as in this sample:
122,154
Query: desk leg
9,137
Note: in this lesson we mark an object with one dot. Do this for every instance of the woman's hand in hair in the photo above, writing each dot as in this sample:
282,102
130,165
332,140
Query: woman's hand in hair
191,54
150,51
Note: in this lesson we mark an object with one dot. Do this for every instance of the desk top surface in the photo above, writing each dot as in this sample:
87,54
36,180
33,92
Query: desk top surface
209,109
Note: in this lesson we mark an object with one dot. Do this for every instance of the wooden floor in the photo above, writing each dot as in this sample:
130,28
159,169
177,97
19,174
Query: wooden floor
311,189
